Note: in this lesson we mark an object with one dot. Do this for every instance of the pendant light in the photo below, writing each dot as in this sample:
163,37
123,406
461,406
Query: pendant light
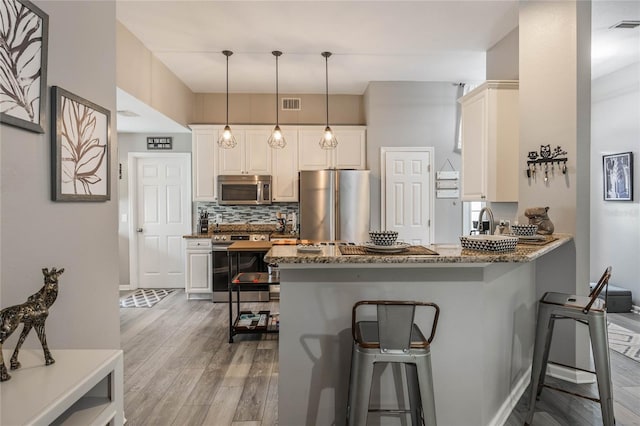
276,140
328,140
227,140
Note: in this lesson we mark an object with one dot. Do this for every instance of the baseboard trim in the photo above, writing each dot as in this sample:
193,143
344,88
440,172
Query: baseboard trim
570,375
124,287
509,404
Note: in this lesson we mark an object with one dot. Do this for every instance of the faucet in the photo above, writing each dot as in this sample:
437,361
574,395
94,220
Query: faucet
492,225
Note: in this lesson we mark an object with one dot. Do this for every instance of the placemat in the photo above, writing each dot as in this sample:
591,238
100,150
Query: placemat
547,240
410,251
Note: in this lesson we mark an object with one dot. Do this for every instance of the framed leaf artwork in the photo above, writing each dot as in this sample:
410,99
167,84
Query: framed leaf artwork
24,32
79,149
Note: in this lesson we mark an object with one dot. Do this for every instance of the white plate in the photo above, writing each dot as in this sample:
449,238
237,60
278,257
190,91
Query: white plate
309,249
396,248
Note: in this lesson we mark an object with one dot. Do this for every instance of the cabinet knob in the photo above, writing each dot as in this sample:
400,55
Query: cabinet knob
139,229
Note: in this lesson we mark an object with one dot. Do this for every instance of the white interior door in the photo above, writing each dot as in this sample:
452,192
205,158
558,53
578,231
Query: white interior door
163,217
408,194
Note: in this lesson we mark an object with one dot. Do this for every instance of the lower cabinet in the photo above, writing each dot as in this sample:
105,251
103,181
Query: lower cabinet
199,278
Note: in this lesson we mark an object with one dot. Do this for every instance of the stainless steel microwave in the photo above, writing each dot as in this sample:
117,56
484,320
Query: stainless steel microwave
244,189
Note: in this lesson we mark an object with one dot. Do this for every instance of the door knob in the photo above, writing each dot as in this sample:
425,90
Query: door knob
139,229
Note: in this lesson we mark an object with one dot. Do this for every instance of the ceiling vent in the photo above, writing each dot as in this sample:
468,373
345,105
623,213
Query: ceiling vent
127,113
626,24
291,104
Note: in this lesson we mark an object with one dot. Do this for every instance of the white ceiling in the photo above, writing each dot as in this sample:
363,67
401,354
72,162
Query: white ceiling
420,40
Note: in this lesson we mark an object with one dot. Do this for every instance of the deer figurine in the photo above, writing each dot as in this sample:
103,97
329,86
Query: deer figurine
32,313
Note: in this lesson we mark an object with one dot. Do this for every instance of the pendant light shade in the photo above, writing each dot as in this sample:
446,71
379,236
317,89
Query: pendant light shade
276,140
227,140
328,140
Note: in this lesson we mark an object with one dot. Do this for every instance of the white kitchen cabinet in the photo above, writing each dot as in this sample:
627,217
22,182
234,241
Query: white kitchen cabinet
252,155
284,185
349,154
203,151
199,261
490,142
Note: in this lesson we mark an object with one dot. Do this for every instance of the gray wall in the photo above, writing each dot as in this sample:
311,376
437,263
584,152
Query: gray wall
79,236
135,142
555,100
502,58
414,114
615,225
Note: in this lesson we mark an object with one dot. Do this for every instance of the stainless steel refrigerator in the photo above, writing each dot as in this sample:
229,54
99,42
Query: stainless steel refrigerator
334,205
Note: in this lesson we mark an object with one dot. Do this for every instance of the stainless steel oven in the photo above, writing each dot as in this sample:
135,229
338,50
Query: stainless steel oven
248,262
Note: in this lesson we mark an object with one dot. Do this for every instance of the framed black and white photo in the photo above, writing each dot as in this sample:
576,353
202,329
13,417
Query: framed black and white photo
80,148
23,64
618,176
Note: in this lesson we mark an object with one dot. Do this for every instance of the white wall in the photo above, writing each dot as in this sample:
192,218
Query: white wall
135,142
78,236
615,225
414,114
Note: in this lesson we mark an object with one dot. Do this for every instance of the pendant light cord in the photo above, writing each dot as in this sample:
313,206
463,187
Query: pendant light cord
227,90
277,121
326,80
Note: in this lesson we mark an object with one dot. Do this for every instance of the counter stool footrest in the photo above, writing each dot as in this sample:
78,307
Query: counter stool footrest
389,410
591,398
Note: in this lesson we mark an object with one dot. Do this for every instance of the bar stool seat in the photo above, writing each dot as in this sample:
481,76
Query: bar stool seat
590,311
392,338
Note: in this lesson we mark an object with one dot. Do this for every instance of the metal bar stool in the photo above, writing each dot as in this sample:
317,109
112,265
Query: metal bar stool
590,311
392,338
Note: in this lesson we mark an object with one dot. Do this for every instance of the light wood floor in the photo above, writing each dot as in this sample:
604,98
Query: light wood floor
179,369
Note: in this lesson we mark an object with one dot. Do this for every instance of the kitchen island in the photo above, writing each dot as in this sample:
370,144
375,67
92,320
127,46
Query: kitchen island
481,354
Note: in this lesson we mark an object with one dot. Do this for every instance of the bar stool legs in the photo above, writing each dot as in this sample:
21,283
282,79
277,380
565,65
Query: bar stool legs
420,387
600,344
597,322
426,391
359,388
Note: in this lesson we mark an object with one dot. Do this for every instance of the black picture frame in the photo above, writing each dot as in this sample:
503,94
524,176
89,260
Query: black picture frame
80,148
617,176
23,66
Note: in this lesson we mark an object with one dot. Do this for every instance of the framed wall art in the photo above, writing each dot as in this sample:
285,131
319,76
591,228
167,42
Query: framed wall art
80,148
617,171
23,64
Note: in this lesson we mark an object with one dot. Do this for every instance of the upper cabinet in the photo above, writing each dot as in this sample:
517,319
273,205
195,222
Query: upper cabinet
490,142
203,151
284,184
252,155
349,154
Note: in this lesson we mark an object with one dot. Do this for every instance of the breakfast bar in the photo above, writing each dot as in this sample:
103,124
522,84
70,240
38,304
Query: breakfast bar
481,354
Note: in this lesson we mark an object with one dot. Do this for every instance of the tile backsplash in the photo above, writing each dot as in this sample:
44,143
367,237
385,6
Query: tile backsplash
244,214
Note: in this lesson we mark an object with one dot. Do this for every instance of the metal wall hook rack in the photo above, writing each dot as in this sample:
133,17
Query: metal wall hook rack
545,158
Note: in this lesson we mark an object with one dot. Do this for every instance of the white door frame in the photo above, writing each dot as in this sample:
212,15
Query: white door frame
132,164
383,179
